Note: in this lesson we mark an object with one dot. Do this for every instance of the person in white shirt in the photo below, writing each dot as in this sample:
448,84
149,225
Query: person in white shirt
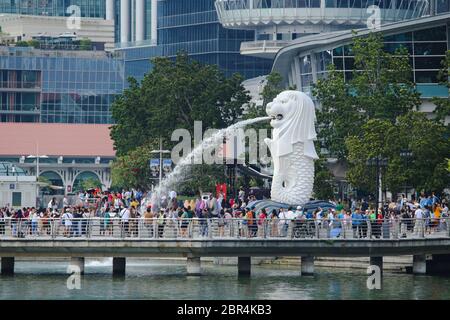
419,222
283,222
67,221
34,222
125,217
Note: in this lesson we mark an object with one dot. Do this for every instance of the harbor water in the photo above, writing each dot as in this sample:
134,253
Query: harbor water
160,279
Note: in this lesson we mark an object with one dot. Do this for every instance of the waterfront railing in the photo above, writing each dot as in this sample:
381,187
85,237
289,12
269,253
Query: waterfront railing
223,228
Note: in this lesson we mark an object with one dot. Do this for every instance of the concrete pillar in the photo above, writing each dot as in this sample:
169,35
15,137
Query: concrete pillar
377,261
124,20
154,22
109,9
244,266
7,266
307,265
140,20
419,264
78,262
119,266
194,267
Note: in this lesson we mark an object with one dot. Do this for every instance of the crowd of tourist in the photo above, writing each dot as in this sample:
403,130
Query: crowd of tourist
133,210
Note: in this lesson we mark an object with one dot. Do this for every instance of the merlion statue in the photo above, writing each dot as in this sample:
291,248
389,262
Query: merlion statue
292,147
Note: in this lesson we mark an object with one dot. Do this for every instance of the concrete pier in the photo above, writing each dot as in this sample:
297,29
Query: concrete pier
244,266
78,262
307,265
119,266
419,264
193,266
7,266
377,261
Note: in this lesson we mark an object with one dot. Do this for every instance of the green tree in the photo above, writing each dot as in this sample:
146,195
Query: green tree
426,139
371,142
174,95
34,43
380,88
273,87
323,181
202,178
443,104
22,44
132,170
91,183
85,44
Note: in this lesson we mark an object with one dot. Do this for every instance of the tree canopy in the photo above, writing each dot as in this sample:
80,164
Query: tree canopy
380,88
174,95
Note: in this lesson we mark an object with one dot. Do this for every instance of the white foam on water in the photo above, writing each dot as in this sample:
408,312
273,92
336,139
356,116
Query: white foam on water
104,262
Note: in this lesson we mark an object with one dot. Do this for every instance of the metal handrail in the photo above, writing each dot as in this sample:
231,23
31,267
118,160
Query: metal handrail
218,228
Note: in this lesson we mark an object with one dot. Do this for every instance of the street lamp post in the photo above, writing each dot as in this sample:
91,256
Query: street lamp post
37,157
160,151
406,154
377,162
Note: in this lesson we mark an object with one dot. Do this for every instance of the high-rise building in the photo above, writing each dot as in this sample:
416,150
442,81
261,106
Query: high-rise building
277,23
58,86
193,27
56,8
133,20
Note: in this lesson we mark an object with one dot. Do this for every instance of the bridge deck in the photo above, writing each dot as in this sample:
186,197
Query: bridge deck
111,247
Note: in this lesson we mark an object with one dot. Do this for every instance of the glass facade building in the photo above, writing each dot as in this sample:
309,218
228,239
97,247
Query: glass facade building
132,20
58,86
89,8
193,27
426,40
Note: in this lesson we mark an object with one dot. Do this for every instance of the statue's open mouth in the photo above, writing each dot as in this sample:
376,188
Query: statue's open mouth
277,117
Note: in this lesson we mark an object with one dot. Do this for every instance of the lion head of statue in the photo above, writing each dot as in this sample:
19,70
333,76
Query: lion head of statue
293,116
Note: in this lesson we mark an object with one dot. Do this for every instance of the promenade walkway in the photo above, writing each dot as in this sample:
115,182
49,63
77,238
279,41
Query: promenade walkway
196,238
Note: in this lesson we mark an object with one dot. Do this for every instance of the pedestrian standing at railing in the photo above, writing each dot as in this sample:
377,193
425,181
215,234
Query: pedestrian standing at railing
2,222
427,217
251,223
310,224
356,223
76,225
283,222
67,218
262,226
273,217
419,222
204,216
364,225
84,221
104,225
149,221
125,217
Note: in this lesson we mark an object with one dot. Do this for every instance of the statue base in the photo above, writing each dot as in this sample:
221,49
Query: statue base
269,205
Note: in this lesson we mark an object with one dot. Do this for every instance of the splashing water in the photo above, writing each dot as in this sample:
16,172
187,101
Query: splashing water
182,168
